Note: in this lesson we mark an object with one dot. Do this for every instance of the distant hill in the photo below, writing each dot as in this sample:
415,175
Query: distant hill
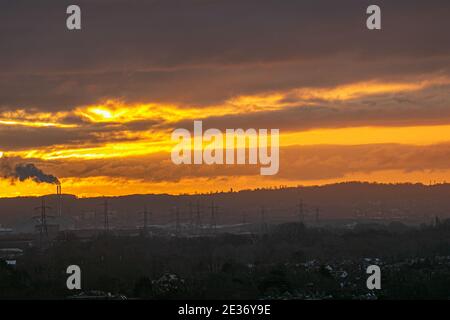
415,202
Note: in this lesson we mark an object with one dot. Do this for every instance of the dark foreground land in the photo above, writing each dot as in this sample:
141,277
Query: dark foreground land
289,261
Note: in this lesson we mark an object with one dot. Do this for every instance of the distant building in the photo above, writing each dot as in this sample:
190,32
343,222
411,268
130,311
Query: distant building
10,255
5,230
11,262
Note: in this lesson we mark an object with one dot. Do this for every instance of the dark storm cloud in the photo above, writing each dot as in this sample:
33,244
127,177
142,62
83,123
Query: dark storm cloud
200,51
430,106
296,163
21,138
427,107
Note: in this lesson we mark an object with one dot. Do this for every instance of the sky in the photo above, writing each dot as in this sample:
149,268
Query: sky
96,107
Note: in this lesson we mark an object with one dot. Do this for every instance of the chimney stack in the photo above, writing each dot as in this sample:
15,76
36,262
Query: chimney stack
59,194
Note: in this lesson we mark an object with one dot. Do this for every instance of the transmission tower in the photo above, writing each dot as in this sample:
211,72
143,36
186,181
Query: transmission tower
213,224
42,218
244,218
106,215
177,221
147,216
263,220
317,215
191,218
300,211
198,218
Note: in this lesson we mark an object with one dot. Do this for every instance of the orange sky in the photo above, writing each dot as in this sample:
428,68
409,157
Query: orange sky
58,159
